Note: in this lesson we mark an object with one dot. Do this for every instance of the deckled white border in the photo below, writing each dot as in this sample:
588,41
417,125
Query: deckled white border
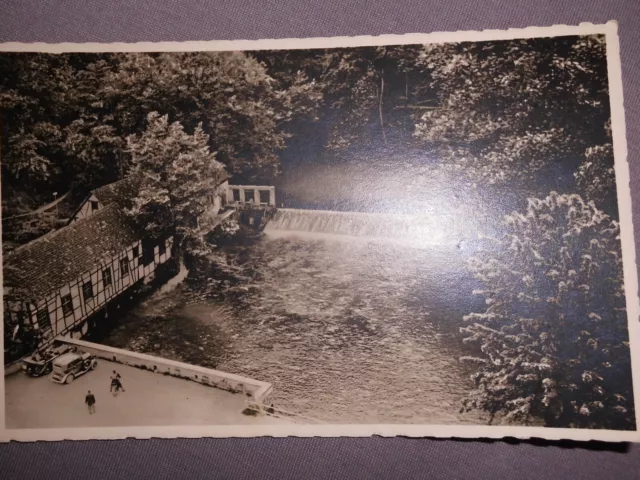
304,43
458,431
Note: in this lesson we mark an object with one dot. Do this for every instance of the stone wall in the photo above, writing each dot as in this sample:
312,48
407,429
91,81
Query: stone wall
256,391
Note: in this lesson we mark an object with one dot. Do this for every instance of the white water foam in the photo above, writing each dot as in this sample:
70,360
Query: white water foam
420,230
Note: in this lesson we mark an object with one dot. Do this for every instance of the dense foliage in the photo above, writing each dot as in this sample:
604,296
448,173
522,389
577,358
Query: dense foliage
552,342
177,173
65,117
493,110
508,109
553,339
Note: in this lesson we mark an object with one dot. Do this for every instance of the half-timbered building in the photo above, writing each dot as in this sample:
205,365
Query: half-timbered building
58,281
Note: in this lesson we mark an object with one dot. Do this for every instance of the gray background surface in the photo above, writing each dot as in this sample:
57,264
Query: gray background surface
181,20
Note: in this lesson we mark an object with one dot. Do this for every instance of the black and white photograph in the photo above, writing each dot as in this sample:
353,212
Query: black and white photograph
422,234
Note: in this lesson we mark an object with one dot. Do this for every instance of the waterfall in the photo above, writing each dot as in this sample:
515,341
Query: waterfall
420,228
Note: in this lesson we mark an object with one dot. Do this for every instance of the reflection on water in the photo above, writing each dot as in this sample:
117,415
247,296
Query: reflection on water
351,330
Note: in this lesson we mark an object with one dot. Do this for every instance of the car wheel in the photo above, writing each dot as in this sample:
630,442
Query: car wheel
69,378
94,364
47,370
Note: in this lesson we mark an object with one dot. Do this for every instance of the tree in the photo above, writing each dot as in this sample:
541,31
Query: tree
94,139
507,110
553,341
596,175
33,104
230,94
177,173
97,150
364,91
65,116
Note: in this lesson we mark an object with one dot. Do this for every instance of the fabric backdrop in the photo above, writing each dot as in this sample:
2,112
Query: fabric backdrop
181,20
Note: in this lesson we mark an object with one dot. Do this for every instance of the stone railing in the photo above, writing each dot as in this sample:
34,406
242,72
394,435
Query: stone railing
258,392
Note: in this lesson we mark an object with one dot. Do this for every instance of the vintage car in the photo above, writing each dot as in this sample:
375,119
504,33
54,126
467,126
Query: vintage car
41,362
68,367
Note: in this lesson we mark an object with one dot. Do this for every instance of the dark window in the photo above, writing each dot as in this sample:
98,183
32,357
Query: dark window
44,321
106,277
94,205
124,267
136,251
67,305
162,247
264,196
148,251
87,291
236,194
249,196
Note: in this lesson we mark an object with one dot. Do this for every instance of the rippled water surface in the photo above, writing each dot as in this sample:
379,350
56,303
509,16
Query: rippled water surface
355,331
346,329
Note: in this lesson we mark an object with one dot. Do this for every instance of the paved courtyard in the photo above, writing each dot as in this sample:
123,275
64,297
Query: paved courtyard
150,399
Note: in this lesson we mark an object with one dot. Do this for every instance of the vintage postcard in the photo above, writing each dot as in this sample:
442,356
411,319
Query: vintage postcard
422,235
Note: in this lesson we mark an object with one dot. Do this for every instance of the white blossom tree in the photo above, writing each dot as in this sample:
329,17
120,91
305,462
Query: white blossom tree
553,340
596,176
177,173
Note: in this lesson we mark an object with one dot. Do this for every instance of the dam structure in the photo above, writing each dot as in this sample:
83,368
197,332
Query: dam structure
420,229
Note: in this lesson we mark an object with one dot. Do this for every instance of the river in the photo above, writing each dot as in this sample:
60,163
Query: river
352,330
347,329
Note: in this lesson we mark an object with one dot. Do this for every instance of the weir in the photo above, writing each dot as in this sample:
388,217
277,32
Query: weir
420,228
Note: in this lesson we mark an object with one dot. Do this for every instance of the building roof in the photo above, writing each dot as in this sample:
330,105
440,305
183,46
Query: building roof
52,261
118,192
122,191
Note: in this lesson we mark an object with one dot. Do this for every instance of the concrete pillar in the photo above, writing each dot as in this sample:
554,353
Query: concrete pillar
242,199
272,196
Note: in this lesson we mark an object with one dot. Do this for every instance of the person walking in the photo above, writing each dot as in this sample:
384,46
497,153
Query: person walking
114,378
116,384
90,400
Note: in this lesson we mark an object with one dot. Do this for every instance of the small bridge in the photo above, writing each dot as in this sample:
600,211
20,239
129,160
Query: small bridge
251,195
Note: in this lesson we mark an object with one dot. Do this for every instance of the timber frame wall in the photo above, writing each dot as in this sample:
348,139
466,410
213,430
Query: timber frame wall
51,318
88,293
